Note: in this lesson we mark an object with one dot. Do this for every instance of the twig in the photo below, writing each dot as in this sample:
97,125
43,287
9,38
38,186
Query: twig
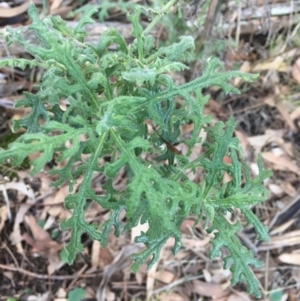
10,253
175,283
50,277
78,274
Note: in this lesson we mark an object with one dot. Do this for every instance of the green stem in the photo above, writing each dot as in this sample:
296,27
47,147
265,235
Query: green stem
159,16
131,159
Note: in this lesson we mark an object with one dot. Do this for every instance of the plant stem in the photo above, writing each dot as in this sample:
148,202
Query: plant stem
159,15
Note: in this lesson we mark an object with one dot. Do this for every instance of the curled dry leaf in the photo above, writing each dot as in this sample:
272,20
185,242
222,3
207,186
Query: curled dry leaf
22,188
42,243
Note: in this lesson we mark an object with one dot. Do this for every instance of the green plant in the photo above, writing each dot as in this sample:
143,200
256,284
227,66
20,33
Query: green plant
190,19
110,96
172,23
104,8
76,294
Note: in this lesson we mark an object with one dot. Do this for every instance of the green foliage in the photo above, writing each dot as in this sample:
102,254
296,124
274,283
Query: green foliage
188,17
276,295
110,96
104,8
63,256
76,294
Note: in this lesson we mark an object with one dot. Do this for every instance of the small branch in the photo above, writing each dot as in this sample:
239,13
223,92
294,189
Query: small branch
41,276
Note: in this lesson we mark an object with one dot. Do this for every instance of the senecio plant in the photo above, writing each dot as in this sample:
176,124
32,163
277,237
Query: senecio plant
112,94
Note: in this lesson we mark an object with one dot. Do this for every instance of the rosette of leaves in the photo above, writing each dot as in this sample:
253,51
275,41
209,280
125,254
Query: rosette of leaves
111,92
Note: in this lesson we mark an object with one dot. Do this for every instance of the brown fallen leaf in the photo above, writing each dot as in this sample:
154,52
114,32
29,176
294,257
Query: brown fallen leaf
239,297
7,12
290,258
289,189
186,226
259,141
207,289
281,162
171,297
105,257
291,238
164,276
37,232
55,4
283,110
42,242
282,228
195,243
278,63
